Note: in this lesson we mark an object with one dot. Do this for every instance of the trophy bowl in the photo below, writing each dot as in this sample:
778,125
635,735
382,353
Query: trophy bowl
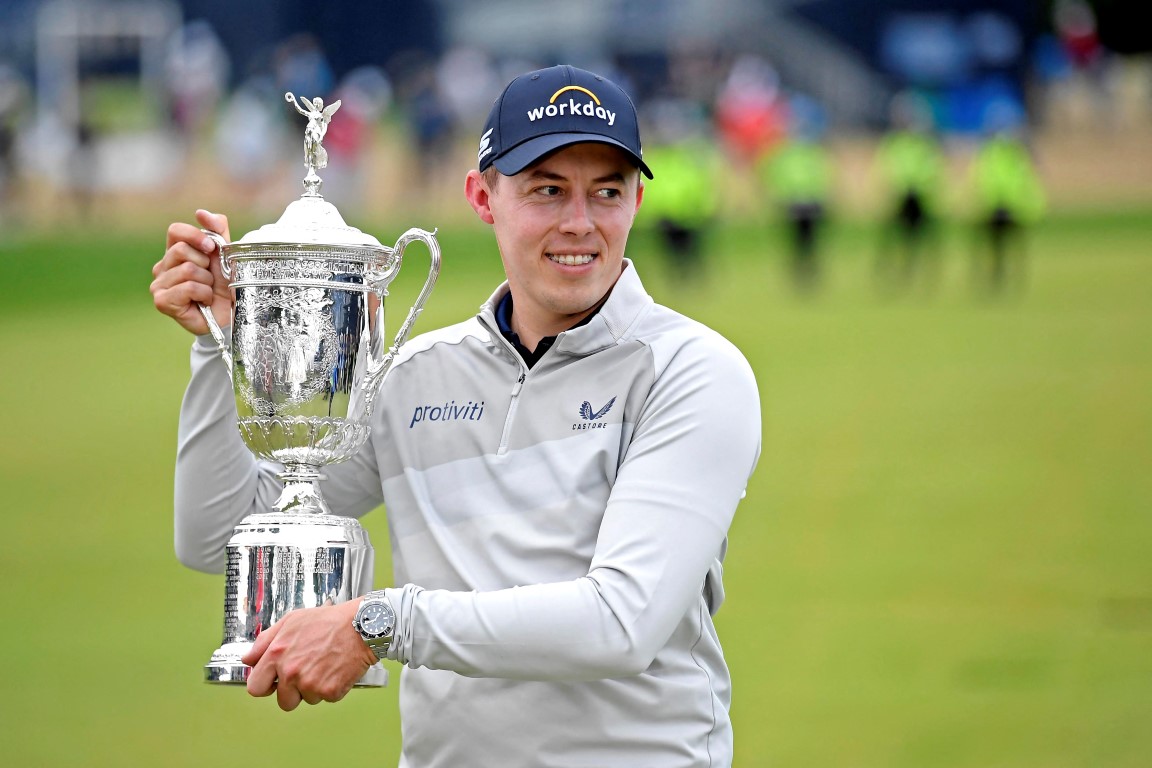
306,356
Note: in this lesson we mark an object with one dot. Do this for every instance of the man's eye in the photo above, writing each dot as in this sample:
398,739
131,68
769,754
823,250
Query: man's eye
608,193
550,191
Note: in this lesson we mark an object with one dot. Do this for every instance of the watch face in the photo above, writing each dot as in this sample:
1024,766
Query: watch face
377,619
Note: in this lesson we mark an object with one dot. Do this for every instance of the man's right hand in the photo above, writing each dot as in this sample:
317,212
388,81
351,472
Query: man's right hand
189,274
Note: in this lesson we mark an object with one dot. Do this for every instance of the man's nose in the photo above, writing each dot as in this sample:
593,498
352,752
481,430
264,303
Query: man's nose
577,216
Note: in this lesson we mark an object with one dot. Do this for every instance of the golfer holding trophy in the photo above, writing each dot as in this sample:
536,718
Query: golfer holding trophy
559,471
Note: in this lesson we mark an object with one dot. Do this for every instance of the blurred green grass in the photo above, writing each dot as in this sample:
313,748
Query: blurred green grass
942,561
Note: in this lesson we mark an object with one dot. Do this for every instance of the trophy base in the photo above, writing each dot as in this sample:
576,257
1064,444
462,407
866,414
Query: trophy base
226,667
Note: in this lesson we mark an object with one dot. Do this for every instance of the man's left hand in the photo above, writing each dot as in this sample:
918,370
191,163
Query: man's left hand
311,654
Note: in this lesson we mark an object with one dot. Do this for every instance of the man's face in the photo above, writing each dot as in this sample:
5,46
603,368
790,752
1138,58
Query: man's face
562,226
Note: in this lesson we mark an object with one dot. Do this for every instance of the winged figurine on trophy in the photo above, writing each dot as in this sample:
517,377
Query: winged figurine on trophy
315,156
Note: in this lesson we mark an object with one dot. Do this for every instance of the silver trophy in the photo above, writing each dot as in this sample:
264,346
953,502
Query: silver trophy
306,358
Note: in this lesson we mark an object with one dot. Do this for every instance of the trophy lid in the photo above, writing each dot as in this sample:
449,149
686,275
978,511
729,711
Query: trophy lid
312,220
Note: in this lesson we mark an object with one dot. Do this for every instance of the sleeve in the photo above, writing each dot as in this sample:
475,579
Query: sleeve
695,445
218,480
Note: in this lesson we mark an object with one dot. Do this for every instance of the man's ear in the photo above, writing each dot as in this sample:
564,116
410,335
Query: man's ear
478,194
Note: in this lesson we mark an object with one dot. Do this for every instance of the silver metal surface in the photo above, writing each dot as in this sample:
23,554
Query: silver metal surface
278,563
306,356
315,156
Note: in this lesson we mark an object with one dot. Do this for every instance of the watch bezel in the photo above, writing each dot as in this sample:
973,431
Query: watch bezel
385,619
367,604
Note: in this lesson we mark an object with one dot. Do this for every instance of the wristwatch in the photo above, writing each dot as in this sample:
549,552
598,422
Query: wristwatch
375,620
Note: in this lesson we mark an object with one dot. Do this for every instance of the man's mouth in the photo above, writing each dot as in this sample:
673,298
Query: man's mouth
572,259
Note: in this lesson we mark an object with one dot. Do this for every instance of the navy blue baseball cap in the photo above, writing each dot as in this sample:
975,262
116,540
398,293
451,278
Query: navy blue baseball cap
540,112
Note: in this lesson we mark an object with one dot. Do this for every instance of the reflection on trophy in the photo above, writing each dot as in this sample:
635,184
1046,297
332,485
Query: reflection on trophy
306,358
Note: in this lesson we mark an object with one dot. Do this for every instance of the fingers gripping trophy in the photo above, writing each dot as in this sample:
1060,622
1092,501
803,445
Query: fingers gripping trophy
306,357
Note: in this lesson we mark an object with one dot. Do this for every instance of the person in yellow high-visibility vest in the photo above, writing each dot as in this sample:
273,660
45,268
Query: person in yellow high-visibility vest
910,169
1009,198
682,204
798,176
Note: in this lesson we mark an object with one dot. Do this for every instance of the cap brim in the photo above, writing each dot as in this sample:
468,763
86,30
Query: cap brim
523,155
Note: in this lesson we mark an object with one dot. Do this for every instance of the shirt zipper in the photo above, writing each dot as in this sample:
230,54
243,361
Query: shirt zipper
514,401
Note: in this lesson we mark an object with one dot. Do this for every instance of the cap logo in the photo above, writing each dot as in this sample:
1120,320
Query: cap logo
485,144
591,108
573,88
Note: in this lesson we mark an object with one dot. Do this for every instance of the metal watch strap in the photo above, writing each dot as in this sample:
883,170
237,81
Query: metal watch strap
376,594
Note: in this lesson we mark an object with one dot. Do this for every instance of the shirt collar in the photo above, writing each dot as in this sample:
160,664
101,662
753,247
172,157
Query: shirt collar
504,323
607,327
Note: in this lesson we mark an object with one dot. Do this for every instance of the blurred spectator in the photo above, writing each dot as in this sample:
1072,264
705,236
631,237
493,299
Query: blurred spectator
197,71
250,138
83,171
429,118
1077,67
750,117
302,68
467,83
681,201
1075,23
7,157
695,69
83,160
798,176
1009,198
13,105
910,169
364,94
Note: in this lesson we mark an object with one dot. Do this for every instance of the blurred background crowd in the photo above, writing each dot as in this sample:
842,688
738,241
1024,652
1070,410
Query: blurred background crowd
989,111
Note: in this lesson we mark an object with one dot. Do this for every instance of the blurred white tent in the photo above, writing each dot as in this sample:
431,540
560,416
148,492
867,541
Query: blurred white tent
72,39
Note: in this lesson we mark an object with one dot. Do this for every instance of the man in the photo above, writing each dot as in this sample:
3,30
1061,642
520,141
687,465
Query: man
684,205
559,555
1009,200
798,174
910,167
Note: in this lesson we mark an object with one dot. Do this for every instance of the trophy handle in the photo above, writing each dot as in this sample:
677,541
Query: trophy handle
377,368
213,326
